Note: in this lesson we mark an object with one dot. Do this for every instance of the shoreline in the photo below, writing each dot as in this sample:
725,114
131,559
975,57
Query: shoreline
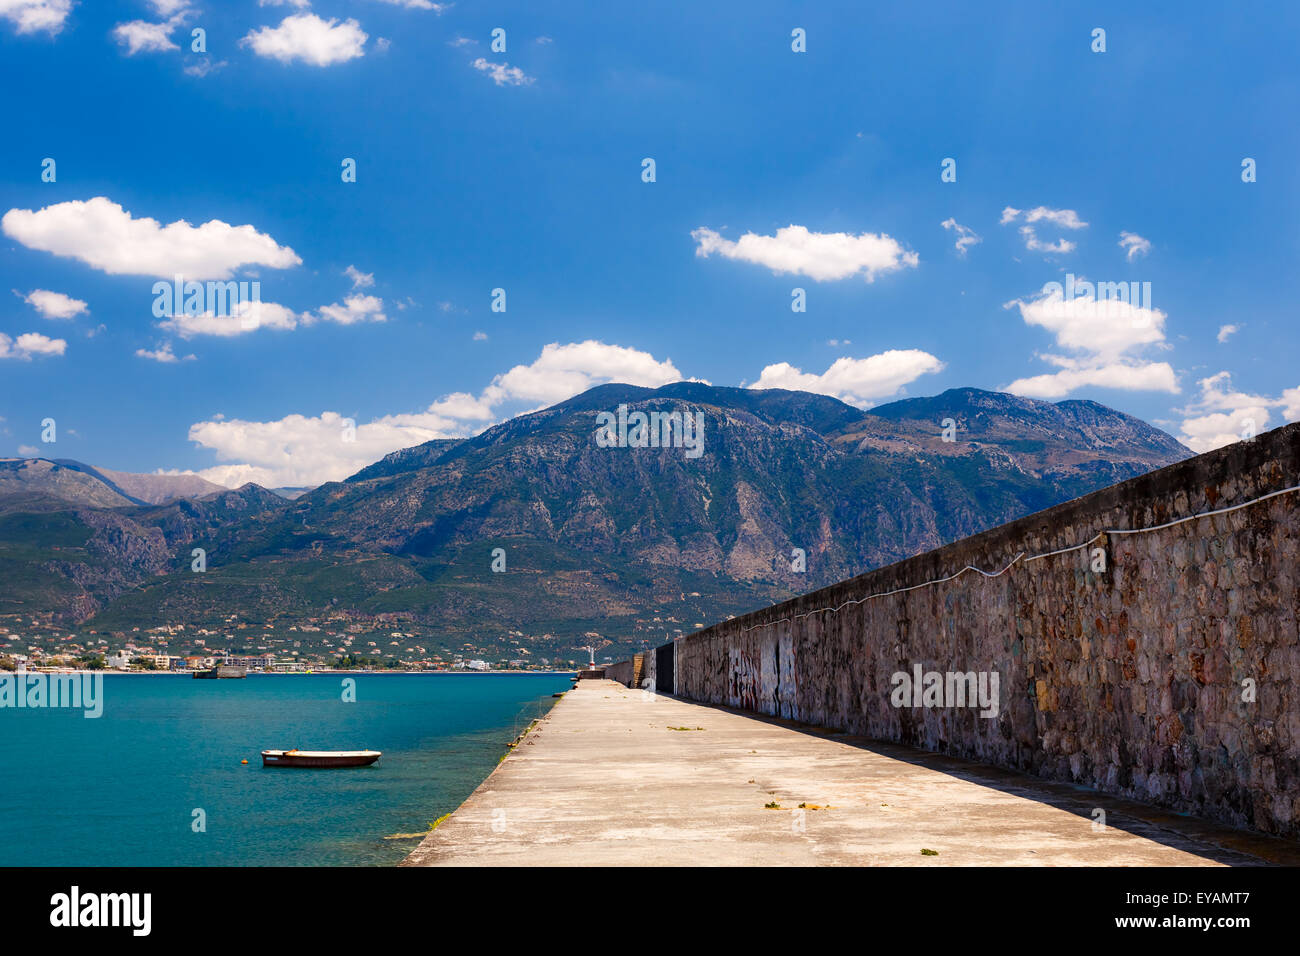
417,854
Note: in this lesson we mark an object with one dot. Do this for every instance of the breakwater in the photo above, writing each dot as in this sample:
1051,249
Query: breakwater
1142,640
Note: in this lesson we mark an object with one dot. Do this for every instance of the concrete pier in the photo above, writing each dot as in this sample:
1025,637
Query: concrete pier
615,777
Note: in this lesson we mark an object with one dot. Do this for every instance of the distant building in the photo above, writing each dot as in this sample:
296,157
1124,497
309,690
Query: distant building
260,662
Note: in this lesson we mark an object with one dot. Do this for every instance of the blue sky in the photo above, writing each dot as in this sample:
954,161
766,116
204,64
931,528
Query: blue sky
522,170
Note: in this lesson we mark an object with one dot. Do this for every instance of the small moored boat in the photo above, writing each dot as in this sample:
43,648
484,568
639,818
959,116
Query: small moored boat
319,758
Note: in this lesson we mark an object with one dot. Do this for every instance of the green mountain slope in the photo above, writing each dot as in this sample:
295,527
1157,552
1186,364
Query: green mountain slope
633,544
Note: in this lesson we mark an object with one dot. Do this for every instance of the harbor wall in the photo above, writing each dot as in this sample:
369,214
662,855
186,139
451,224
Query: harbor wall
1160,666
621,672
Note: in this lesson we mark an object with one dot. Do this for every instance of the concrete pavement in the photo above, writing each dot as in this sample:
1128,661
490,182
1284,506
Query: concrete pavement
615,777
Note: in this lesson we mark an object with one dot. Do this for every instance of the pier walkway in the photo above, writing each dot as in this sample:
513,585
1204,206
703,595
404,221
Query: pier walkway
617,777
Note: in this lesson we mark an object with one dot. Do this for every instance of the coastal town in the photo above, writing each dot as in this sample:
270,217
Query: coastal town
316,644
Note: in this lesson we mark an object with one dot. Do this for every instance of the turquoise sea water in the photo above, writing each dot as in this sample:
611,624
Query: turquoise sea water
121,790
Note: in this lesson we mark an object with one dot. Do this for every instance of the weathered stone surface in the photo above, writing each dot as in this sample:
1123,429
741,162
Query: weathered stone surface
1132,680
621,672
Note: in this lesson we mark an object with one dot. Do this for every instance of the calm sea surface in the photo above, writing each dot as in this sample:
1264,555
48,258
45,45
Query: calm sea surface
121,790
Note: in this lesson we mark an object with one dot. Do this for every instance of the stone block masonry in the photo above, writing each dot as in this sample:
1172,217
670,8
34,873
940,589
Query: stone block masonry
1160,666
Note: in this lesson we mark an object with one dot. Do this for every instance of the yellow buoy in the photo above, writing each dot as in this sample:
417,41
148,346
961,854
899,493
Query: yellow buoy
243,761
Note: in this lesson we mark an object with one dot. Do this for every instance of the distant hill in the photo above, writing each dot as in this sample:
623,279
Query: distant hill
159,489
634,544
68,482
292,494
73,560
78,483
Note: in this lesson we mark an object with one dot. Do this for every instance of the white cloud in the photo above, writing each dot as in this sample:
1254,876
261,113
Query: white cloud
1104,336
438,8
53,305
139,36
1108,327
1034,244
297,4
1062,218
465,407
244,317
480,337
30,344
966,237
1221,415
102,234
503,74
859,382
307,450
1134,245
162,354
33,16
302,450
355,308
360,280
250,316
462,41
1291,403
204,65
562,371
1077,373
1227,330
307,37
818,255
1065,218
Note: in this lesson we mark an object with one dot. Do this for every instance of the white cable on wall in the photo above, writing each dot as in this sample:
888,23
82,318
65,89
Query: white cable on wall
1021,556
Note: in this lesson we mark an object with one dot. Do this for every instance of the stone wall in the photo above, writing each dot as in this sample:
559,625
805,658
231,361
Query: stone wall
1169,676
650,677
624,671
621,672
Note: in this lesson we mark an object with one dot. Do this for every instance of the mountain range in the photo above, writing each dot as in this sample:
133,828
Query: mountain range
618,545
